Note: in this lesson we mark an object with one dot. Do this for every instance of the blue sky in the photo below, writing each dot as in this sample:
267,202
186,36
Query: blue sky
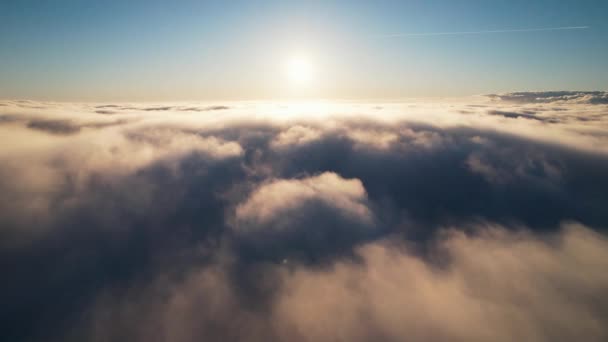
207,50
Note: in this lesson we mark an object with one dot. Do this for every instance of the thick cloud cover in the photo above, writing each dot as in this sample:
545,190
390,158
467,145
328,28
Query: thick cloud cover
464,219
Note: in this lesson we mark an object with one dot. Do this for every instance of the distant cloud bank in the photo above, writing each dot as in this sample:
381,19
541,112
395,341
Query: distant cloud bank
588,97
469,219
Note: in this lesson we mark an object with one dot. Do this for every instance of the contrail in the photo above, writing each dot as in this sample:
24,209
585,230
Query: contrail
564,28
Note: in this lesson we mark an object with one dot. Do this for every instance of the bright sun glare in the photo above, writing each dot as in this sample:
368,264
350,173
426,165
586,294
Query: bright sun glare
299,71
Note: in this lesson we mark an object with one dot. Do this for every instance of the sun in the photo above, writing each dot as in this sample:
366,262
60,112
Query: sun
299,71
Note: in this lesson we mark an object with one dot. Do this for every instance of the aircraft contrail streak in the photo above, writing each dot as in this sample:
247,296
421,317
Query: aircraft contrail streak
397,35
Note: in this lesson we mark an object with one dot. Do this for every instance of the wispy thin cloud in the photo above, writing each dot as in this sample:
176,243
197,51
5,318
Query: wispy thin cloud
456,33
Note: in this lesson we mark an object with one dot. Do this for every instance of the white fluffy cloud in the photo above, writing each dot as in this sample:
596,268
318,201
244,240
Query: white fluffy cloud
296,135
496,285
279,198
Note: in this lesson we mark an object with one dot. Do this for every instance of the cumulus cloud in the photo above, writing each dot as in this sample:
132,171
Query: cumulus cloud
494,285
420,220
296,135
308,218
279,197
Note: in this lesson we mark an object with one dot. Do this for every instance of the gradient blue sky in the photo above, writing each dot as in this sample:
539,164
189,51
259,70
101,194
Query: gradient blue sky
212,50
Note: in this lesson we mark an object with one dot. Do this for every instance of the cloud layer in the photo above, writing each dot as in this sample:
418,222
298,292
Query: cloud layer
587,97
466,219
